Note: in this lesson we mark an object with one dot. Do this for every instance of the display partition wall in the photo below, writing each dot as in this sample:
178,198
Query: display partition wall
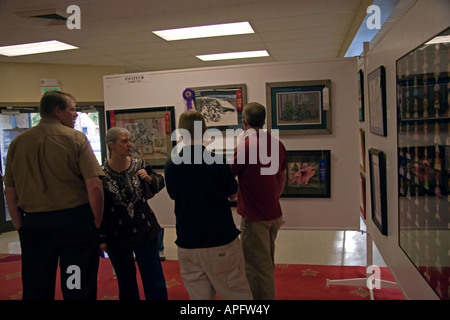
17,117
416,149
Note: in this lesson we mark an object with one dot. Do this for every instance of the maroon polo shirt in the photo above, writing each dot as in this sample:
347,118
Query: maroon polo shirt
258,163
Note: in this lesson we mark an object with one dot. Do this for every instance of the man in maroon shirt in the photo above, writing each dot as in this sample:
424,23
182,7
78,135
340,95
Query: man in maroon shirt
260,164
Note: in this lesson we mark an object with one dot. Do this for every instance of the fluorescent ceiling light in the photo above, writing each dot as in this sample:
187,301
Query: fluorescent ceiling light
233,55
440,39
33,48
216,30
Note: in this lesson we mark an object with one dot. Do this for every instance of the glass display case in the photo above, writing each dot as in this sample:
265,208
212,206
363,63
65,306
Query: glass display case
423,98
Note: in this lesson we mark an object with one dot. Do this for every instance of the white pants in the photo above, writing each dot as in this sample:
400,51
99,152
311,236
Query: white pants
220,270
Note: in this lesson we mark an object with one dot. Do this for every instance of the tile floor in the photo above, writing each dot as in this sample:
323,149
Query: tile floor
292,247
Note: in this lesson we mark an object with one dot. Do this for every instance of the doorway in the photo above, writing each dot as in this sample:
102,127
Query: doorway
14,120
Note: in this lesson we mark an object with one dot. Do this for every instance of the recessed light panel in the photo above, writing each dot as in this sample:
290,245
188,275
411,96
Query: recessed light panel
233,55
216,30
34,48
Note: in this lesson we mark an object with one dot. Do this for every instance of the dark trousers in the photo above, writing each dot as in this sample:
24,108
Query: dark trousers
161,240
147,258
68,236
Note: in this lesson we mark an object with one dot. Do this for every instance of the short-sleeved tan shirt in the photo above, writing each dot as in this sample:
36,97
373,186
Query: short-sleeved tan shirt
48,165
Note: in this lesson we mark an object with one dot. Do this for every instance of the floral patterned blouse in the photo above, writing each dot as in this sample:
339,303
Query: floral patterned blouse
128,220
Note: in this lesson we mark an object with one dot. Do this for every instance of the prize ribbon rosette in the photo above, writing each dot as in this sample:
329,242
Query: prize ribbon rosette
188,95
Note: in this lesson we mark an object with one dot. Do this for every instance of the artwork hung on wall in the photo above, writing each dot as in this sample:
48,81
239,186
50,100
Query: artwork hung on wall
308,174
362,150
377,101
377,165
151,130
362,196
361,94
423,101
221,106
299,107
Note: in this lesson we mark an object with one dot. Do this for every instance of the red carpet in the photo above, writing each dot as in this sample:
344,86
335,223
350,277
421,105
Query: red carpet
293,282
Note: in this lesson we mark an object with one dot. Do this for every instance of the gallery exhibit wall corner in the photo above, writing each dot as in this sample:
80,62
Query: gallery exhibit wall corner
423,21
165,88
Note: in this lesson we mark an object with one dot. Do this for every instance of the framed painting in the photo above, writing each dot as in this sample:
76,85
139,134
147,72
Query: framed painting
377,164
377,101
362,150
362,196
299,107
361,94
222,105
308,174
151,130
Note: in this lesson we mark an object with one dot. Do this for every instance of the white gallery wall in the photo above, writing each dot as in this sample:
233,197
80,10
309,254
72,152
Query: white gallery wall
341,211
421,22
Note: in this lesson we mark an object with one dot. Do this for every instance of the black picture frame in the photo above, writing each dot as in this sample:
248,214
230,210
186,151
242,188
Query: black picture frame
362,196
151,132
361,95
230,99
299,107
376,81
308,174
378,199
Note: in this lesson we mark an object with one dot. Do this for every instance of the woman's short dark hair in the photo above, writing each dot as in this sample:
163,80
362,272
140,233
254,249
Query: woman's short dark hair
52,99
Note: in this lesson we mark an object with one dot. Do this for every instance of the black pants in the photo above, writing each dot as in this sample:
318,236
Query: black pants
69,236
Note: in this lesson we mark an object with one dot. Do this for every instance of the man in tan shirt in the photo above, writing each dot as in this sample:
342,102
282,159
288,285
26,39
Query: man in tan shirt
55,198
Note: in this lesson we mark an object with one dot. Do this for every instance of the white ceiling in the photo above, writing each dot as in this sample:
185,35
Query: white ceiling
118,32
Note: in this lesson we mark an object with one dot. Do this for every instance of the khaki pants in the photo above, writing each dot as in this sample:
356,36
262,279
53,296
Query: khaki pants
206,271
258,244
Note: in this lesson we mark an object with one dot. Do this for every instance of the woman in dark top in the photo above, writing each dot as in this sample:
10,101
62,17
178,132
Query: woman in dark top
130,229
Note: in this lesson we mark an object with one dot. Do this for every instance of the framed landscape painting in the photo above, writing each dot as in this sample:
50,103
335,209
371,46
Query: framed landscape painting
221,106
299,107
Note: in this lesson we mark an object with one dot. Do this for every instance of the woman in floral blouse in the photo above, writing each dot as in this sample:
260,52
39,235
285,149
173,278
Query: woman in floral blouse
130,230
